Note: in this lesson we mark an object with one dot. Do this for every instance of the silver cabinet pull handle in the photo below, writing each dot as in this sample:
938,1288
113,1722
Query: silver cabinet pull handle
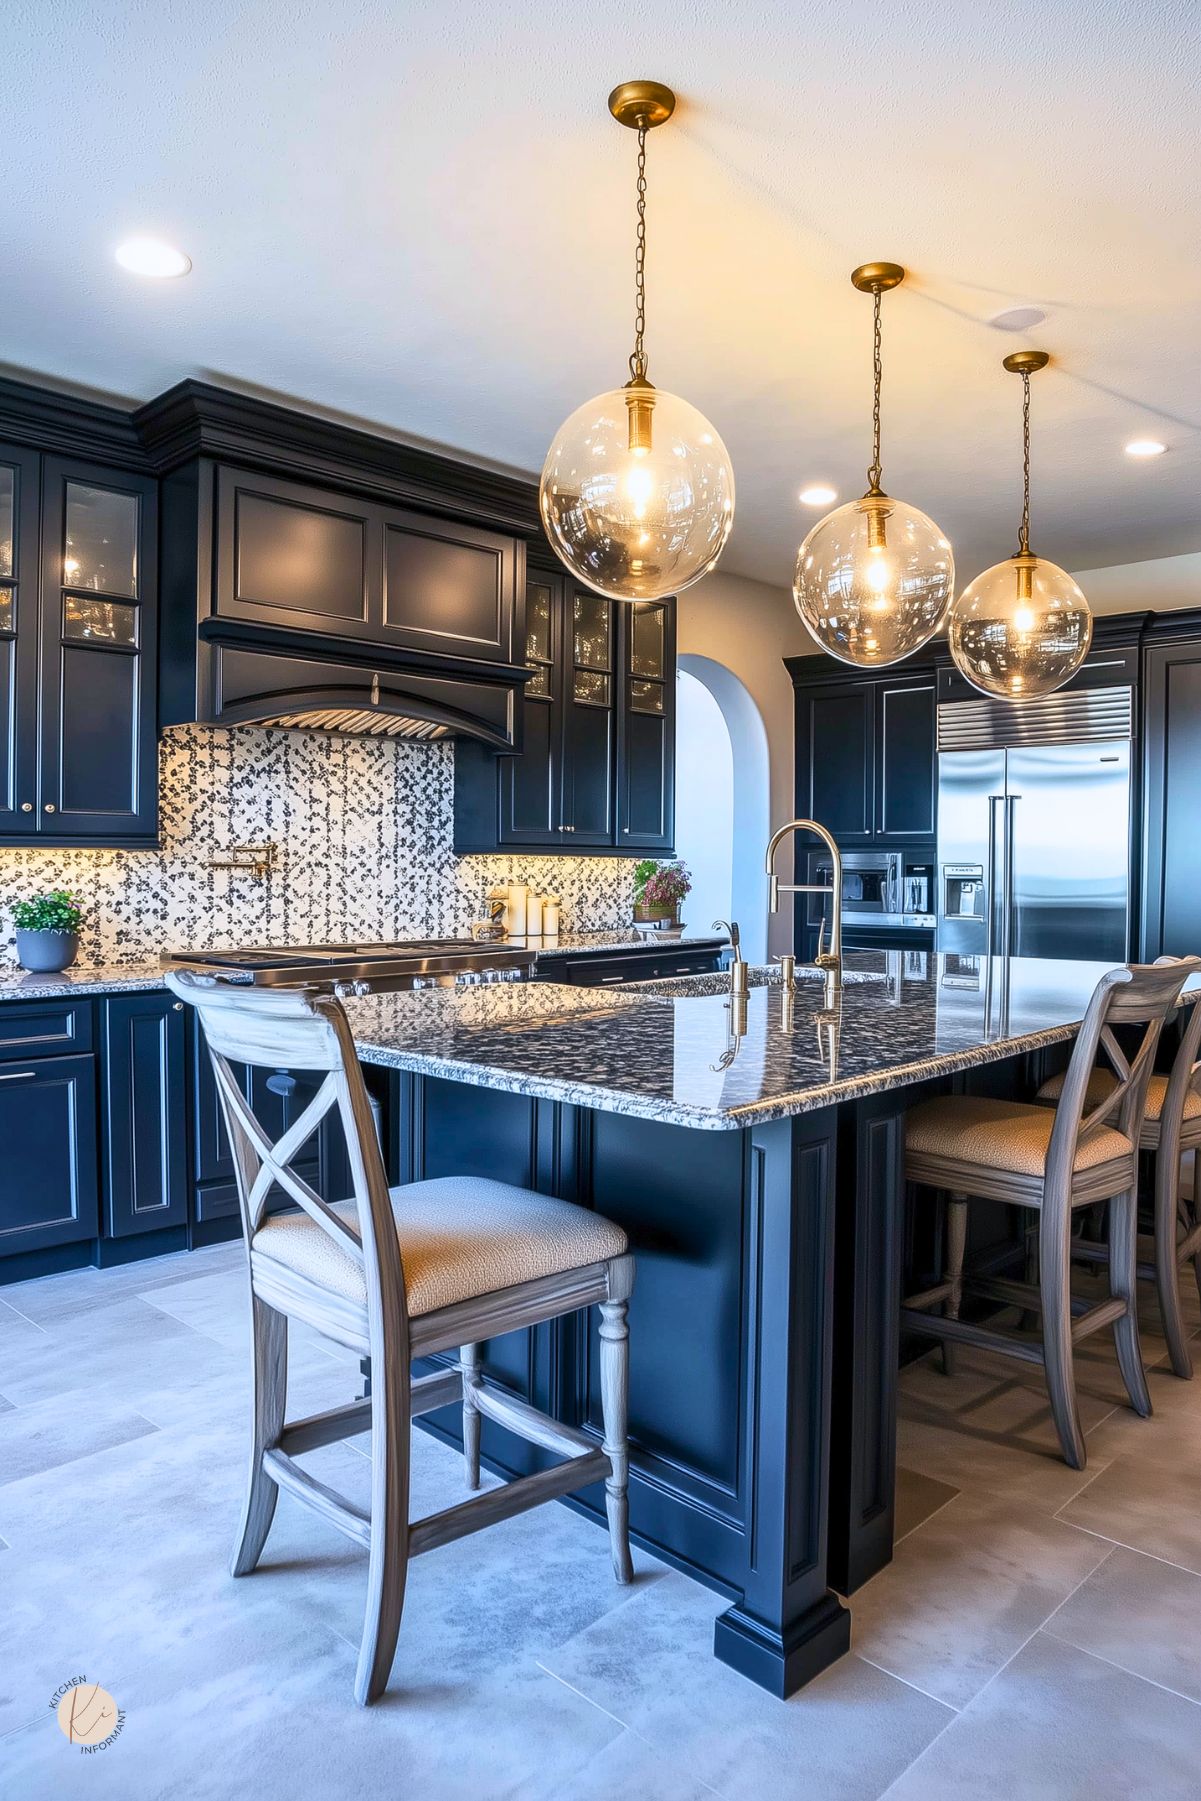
20,1075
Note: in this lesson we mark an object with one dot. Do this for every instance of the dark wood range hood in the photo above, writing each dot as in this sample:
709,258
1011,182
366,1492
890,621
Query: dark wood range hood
318,577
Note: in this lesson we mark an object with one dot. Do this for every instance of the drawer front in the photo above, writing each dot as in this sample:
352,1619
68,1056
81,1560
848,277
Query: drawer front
49,1191
605,972
45,1029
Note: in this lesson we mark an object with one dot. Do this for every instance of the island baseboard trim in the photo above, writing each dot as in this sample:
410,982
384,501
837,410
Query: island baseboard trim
783,1663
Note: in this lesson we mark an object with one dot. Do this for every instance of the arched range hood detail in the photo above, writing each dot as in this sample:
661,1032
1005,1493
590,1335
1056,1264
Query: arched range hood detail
316,577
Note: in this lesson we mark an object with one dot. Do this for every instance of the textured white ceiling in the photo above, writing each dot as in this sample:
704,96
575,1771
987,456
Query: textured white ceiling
420,216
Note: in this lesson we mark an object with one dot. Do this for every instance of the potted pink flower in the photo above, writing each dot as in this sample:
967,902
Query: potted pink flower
658,890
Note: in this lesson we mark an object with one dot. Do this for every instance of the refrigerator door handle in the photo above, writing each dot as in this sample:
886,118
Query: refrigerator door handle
990,886
1010,804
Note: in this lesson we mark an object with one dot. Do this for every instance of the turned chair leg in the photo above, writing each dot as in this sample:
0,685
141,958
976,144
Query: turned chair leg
469,1364
1055,1294
956,1243
615,1387
1123,1283
269,1336
388,1557
1167,1266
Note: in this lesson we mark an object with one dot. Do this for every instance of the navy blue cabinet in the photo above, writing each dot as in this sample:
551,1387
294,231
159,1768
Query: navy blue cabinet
145,1116
596,771
49,1191
78,652
19,483
865,754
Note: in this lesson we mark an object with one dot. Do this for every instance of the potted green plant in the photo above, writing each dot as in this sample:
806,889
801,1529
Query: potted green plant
47,931
658,890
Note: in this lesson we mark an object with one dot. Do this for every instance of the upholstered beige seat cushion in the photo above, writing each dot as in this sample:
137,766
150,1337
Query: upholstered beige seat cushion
460,1236
1102,1082
1001,1135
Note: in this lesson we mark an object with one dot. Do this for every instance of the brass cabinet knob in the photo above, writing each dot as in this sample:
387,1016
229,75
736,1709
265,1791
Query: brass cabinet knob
27,806
50,807
177,1006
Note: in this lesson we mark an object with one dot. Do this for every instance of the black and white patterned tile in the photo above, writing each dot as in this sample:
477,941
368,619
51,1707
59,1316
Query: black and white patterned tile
365,851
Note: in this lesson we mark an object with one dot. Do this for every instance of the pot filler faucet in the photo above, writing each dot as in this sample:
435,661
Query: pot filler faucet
828,960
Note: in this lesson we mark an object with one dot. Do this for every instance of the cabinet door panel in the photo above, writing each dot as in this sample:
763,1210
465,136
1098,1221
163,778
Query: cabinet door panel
647,728
834,758
1172,846
145,1184
49,1194
589,719
531,783
289,555
448,588
19,481
906,772
99,652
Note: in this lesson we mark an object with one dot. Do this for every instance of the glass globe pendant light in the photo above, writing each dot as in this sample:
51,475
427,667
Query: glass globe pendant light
637,492
1023,627
874,578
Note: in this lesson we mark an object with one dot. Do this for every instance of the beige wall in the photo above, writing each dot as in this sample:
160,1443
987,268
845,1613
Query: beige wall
749,627
1158,585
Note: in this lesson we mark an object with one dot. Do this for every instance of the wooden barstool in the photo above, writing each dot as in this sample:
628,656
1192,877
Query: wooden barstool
1171,1126
1054,1162
394,1275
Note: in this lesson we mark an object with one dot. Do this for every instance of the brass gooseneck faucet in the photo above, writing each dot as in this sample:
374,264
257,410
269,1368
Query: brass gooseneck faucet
830,959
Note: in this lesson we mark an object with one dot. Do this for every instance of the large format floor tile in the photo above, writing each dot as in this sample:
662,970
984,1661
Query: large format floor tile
1060,1725
1141,1614
651,1665
49,1434
1149,1499
966,1591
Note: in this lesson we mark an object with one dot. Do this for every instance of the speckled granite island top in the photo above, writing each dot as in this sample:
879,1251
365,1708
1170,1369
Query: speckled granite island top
683,1061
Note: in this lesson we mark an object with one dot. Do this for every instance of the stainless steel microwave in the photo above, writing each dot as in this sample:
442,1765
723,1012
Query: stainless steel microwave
877,889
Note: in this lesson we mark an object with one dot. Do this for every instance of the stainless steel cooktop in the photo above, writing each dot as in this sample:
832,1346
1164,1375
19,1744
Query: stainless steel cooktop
355,969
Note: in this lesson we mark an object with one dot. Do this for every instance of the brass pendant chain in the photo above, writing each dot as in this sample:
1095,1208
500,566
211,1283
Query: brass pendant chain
638,356
873,474
1024,533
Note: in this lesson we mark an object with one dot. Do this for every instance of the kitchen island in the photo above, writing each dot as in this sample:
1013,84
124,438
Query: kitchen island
753,1153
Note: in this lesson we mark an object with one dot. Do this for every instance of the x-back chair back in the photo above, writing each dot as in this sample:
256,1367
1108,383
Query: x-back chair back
572,1260
302,1029
1085,1162
1136,995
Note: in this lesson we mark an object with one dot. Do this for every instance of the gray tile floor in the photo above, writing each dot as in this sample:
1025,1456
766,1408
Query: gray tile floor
1038,1633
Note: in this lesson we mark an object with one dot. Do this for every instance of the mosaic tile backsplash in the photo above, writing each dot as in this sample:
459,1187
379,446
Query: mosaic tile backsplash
363,829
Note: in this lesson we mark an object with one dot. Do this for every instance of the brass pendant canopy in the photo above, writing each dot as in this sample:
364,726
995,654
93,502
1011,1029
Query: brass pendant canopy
1023,627
874,578
637,492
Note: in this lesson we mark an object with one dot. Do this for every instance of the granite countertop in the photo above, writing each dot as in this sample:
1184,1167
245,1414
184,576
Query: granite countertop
679,1061
127,978
105,978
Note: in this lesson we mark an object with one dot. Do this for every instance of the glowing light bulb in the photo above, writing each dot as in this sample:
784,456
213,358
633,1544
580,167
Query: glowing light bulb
878,573
1023,619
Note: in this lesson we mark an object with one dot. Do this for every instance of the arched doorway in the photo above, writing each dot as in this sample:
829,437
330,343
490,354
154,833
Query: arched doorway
722,799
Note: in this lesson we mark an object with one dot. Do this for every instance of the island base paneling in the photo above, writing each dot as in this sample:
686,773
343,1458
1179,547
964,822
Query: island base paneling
730,1320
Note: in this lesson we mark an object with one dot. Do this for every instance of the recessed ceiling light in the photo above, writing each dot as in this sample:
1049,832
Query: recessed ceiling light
1018,318
150,256
1145,447
819,495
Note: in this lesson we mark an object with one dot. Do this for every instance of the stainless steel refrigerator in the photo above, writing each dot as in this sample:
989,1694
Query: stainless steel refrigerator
1034,826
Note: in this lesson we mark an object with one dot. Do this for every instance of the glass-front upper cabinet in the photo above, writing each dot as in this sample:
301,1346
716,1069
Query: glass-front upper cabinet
98,754
646,734
19,470
588,723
